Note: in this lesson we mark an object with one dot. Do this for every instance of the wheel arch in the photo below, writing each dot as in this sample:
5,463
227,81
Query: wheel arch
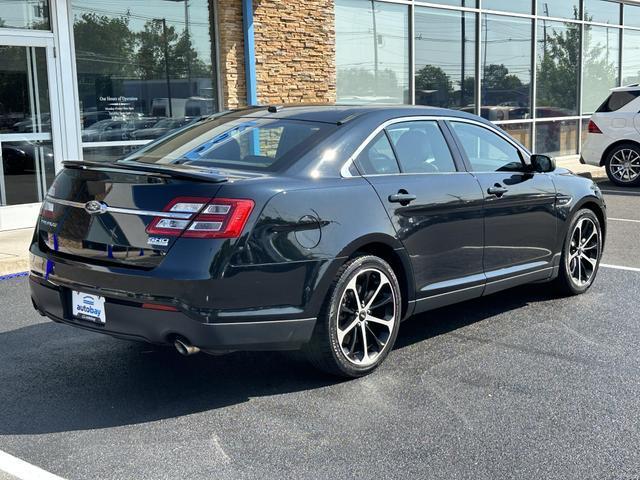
614,145
393,252
593,204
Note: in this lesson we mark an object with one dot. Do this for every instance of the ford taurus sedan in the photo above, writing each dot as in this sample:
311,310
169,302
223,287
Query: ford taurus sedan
308,227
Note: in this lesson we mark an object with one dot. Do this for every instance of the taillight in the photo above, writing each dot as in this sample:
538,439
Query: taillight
184,209
48,209
222,218
201,218
593,128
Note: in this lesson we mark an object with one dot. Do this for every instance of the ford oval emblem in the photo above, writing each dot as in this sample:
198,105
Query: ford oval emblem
95,208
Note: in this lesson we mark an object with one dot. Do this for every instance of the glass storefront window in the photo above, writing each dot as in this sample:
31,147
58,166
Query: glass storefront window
141,63
600,65
458,3
516,6
559,8
445,77
506,68
558,74
27,164
631,15
602,11
631,57
372,52
519,131
32,14
557,138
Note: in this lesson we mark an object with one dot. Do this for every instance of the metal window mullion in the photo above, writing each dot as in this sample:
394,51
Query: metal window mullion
620,56
412,55
478,82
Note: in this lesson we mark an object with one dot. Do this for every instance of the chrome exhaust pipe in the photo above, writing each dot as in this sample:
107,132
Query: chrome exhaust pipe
184,347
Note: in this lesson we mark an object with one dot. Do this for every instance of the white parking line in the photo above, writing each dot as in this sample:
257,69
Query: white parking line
620,191
23,470
623,220
618,267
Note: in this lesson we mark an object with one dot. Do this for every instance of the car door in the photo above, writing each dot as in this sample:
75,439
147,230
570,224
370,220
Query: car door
435,207
520,215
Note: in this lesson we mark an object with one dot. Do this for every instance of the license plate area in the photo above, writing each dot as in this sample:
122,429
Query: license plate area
88,307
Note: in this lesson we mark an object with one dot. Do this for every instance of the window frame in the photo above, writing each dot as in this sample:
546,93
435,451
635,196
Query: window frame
521,151
459,158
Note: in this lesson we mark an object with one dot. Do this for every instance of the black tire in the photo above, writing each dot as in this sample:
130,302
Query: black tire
324,350
625,151
566,282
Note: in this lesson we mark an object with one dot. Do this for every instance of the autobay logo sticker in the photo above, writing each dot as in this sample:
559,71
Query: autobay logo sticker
158,242
88,308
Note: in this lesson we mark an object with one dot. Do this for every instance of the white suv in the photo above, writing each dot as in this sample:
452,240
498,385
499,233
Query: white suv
613,140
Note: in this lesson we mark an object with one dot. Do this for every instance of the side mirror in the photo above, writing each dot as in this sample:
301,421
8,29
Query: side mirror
542,163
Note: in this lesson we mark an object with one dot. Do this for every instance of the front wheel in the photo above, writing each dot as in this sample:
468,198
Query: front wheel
359,321
581,253
623,165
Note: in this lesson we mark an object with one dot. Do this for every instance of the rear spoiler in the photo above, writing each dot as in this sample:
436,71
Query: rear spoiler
173,171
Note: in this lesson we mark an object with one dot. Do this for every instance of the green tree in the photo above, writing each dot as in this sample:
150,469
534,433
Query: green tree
434,86
104,45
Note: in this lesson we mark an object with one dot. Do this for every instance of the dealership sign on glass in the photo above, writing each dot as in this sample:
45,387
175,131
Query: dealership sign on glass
119,105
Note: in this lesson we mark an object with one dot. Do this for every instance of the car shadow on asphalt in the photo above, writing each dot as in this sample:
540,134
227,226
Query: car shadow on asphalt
54,378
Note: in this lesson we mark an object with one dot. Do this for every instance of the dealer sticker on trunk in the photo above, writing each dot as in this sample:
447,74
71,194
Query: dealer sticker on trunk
88,307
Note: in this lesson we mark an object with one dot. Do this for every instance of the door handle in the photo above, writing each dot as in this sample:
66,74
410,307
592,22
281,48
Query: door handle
402,197
497,190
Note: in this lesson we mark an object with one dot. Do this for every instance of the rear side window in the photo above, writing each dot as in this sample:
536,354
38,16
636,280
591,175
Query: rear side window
378,158
617,100
238,143
421,147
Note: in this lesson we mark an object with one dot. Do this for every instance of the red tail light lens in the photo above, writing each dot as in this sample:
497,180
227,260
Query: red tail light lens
180,212
203,218
593,128
222,218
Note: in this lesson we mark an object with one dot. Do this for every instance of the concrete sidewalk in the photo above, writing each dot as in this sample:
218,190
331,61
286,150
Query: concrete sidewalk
573,164
14,250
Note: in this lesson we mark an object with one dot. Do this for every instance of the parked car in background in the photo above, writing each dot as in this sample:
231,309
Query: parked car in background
313,228
613,137
116,130
160,128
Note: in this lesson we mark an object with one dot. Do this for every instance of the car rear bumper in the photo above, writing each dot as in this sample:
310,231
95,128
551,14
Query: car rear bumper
131,321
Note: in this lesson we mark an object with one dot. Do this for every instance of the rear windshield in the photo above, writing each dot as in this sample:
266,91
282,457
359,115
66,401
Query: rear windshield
255,144
617,100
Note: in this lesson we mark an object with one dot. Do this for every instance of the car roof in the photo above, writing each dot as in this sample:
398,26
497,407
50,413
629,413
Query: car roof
339,114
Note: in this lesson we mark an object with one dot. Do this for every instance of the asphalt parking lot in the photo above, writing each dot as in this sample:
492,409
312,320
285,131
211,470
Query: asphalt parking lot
523,384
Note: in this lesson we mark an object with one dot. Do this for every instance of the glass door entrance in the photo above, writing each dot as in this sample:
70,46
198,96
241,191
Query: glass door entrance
28,135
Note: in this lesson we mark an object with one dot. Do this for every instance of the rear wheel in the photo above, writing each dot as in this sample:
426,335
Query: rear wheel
359,321
623,165
581,253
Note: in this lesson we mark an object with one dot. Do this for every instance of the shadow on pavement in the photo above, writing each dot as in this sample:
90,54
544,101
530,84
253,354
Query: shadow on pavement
54,378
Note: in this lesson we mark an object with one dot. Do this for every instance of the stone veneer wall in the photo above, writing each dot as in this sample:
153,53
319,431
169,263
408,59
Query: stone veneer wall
295,51
231,51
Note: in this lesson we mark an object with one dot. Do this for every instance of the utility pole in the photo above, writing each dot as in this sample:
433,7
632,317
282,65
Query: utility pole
166,65
375,46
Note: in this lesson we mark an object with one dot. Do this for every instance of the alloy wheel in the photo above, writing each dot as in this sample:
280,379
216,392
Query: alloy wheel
584,251
625,165
366,317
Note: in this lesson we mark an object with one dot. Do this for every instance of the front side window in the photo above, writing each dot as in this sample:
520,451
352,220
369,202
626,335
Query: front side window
486,150
421,147
378,158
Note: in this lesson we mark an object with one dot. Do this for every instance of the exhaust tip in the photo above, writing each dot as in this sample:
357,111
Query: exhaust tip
184,347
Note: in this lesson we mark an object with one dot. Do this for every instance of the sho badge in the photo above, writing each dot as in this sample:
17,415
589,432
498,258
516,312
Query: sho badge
158,242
